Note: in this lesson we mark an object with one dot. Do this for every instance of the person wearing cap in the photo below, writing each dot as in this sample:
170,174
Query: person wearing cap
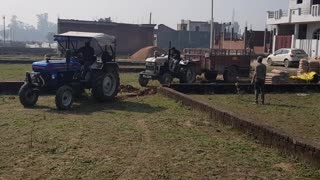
259,79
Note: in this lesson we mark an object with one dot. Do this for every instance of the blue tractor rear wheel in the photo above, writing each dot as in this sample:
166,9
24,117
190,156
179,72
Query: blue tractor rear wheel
64,97
106,85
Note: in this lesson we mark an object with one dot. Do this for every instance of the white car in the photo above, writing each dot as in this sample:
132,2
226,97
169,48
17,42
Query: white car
287,57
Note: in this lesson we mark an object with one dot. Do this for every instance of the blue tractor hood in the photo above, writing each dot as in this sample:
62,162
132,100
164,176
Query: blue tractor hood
54,66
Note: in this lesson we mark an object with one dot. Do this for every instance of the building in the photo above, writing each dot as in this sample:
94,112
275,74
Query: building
199,26
297,27
205,26
258,41
181,39
130,37
190,34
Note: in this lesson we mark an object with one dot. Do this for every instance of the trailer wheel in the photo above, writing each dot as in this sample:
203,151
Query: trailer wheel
143,81
27,96
64,98
231,74
210,76
190,75
166,78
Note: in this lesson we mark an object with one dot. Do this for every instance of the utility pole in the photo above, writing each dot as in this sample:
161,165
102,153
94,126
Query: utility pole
150,20
4,30
211,29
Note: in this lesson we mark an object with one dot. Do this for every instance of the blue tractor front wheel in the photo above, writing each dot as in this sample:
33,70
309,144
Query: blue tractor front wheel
27,96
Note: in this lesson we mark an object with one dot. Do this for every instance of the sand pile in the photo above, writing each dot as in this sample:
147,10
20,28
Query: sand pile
146,52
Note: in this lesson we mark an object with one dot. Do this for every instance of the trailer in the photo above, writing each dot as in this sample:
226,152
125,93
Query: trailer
232,64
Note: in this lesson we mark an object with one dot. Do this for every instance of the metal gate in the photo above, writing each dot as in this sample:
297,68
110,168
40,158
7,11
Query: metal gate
283,42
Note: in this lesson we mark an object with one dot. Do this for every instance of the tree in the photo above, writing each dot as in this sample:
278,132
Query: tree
44,26
21,31
106,20
50,37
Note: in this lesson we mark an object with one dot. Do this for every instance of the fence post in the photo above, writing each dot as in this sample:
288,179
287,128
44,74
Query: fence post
293,41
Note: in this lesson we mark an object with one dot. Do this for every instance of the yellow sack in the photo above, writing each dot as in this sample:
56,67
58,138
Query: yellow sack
305,76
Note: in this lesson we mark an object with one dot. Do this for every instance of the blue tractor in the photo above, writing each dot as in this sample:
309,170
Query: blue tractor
68,78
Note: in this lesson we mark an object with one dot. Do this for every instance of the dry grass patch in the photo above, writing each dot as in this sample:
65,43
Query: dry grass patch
140,138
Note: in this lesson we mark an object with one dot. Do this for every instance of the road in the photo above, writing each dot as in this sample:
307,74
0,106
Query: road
278,67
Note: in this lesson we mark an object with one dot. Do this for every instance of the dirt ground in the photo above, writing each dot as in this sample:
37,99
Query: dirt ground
148,137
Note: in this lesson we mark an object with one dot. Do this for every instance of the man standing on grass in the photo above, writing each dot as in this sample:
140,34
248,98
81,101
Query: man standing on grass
259,79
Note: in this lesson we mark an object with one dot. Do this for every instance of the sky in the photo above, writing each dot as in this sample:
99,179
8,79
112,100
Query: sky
168,12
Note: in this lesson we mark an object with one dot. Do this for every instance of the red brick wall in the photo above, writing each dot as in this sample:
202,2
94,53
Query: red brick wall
238,45
231,45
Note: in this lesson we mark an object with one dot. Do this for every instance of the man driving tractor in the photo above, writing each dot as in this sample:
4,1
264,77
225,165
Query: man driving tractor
176,58
87,52
88,58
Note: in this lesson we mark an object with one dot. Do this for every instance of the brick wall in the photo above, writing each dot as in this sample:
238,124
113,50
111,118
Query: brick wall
130,37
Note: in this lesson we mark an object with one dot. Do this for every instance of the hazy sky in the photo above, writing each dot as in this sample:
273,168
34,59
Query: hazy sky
168,12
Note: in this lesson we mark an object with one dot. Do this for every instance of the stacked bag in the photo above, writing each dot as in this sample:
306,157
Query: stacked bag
314,66
277,77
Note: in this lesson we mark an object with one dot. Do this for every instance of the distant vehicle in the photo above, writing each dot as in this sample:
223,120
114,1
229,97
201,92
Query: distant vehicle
232,64
287,57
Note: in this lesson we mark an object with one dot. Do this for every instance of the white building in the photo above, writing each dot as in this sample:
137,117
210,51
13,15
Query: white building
205,26
187,25
297,27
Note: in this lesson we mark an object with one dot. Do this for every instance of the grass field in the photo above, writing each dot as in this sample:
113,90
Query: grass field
13,72
22,57
16,72
296,115
30,57
142,138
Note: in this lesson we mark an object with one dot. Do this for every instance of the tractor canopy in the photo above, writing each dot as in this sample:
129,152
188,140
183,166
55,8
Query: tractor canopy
100,38
73,40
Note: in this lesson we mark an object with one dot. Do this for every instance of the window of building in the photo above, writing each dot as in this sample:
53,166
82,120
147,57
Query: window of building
314,2
184,28
299,1
197,28
316,34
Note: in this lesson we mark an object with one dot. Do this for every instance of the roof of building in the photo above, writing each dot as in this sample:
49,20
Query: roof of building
103,23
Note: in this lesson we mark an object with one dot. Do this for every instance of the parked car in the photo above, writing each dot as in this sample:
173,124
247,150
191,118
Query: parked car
287,57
